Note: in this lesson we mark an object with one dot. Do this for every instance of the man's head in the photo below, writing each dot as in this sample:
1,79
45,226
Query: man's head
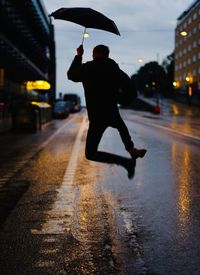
100,51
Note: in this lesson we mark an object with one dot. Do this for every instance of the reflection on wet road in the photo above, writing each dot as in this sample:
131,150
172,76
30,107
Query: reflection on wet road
75,216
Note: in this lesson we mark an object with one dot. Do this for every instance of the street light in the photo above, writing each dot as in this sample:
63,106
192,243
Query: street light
183,33
85,35
140,60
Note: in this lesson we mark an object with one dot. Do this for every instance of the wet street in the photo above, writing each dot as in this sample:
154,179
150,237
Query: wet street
62,214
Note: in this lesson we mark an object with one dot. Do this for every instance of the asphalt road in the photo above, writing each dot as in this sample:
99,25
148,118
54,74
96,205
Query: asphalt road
62,214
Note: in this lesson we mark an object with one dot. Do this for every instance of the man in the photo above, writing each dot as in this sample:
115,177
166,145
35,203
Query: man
101,79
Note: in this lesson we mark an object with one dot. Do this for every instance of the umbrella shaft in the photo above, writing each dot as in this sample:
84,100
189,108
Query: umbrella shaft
83,36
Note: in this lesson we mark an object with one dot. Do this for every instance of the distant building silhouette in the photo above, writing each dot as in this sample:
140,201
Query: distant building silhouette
27,53
187,55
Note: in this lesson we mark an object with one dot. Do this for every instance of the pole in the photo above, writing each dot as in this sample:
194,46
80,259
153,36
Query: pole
83,36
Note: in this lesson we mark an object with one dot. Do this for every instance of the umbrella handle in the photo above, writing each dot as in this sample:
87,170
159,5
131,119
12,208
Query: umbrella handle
83,36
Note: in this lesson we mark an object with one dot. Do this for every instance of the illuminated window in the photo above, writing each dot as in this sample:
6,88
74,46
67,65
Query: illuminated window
37,85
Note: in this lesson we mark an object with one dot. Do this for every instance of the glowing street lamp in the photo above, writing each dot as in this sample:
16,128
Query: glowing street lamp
184,33
140,60
85,35
187,78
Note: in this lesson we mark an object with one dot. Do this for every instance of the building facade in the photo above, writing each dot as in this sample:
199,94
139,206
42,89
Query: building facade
27,54
187,55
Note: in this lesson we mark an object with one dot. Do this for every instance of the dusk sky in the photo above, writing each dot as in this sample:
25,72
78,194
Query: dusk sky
146,28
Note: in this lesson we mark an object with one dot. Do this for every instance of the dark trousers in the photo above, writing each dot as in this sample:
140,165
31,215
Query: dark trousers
95,132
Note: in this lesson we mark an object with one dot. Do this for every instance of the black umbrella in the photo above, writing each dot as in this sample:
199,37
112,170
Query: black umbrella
86,17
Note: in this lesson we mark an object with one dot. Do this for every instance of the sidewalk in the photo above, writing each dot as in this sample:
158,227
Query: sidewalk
169,106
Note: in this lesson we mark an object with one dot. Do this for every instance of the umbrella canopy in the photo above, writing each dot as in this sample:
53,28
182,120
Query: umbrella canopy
86,17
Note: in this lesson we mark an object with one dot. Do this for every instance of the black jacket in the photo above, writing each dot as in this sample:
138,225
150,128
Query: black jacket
101,80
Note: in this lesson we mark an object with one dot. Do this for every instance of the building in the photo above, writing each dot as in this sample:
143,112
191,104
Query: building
27,55
187,55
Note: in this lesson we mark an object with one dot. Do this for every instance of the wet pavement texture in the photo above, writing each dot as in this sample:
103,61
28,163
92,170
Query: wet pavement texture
62,214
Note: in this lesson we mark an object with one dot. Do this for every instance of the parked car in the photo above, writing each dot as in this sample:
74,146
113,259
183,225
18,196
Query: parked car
61,109
75,100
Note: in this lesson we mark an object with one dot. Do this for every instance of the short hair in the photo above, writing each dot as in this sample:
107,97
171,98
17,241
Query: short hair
101,50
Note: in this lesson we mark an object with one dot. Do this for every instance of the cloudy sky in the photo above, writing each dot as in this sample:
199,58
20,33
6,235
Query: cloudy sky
146,28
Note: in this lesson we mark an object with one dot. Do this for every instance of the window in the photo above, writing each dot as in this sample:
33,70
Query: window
194,16
194,44
194,58
194,30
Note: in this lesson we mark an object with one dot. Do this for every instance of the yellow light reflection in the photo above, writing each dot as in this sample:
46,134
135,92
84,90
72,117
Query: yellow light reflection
41,104
183,164
184,188
190,91
175,109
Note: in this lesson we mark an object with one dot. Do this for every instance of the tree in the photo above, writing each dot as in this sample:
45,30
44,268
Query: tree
168,65
150,79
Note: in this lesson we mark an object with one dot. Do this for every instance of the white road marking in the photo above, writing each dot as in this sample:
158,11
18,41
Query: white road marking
60,216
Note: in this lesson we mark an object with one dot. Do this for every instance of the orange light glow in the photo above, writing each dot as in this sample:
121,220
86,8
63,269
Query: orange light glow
190,91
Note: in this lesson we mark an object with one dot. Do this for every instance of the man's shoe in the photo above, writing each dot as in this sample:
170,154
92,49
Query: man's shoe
137,153
131,168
